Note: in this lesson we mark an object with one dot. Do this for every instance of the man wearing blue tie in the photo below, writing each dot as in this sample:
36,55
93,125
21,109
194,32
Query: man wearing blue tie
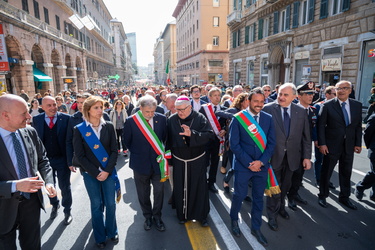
339,136
22,158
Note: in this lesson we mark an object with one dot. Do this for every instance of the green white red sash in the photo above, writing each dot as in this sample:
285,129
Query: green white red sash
257,134
212,119
156,144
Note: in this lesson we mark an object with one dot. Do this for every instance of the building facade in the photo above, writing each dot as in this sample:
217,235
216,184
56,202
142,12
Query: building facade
165,56
201,41
289,41
57,44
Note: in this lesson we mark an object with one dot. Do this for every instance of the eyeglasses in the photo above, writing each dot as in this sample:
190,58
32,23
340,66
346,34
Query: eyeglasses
342,88
268,90
195,91
182,110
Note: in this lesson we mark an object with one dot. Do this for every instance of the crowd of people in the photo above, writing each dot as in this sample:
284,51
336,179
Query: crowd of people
183,135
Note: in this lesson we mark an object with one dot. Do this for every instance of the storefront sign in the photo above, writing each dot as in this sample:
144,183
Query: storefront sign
331,64
68,80
371,53
4,64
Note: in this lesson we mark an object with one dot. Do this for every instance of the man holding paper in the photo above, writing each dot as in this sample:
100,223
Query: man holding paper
22,156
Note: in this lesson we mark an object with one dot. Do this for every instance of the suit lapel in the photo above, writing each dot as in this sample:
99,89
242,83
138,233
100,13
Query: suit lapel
29,149
58,124
338,109
5,161
294,121
278,118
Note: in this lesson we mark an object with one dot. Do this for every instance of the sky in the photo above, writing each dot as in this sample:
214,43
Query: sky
146,18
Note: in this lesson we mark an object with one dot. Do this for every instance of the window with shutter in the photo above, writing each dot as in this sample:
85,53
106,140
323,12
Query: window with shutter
234,35
276,22
323,9
295,14
254,31
345,5
247,31
260,29
311,10
287,18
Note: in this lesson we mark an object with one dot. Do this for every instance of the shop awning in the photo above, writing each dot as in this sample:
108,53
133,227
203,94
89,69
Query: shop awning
39,76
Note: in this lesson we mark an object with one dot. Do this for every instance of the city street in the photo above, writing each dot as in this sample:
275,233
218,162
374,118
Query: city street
310,227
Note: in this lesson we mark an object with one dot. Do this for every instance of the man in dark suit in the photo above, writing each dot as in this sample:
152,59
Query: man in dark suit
207,89
196,101
22,156
143,160
369,179
293,143
52,127
251,162
213,148
339,136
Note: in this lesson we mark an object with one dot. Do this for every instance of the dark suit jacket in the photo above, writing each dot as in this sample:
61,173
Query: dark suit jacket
85,158
298,144
200,100
62,127
142,155
205,99
244,148
38,161
332,130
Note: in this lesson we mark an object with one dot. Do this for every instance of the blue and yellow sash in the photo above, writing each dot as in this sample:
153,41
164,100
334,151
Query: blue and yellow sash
100,153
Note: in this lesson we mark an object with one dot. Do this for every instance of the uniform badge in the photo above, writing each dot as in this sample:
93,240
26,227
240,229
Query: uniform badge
96,146
88,134
105,159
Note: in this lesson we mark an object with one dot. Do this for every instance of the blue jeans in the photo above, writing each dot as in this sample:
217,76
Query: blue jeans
102,194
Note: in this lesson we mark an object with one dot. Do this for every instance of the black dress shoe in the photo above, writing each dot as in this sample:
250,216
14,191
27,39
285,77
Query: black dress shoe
115,239
358,193
300,199
322,202
212,188
284,214
101,245
248,198
159,224
260,237
68,219
331,186
54,212
226,188
348,203
272,223
204,223
292,205
148,224
235,228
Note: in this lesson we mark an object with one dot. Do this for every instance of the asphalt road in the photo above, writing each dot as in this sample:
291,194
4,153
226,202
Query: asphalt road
310,227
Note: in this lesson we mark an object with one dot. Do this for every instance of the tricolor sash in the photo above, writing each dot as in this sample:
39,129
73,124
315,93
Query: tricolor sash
100,153
257,134
212,119
156,144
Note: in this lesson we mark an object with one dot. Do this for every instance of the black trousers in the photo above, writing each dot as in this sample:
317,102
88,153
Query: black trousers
143,186
28,225
213,159
284,178
345,172
369,179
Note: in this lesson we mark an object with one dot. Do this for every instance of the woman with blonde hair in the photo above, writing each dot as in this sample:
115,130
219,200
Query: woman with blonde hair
118,117
95,150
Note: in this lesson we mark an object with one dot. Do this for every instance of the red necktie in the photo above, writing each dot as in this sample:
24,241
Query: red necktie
51,124
148,121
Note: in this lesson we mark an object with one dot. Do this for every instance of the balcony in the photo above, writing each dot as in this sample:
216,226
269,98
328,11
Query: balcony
234,17
65,5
